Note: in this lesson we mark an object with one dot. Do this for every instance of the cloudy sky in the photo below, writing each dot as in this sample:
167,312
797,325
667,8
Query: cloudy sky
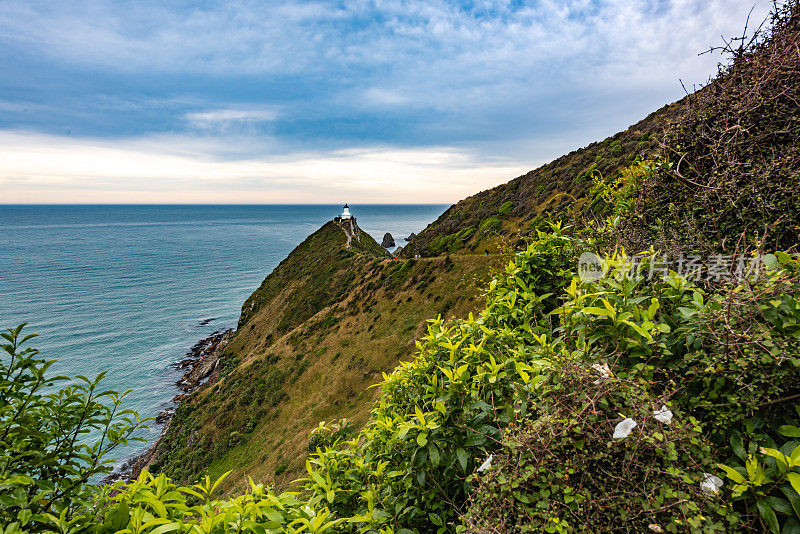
366,101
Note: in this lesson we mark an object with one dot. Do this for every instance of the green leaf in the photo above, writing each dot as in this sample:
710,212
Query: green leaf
769,516
791,526
593,310
462,458
435,519
732,473
781,505
738,446
794,480
170,527
789,431
433,454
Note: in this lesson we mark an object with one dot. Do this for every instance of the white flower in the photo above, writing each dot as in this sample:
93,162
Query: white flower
664,415
602,370
624,428
486,464
655,528
710,483
309,512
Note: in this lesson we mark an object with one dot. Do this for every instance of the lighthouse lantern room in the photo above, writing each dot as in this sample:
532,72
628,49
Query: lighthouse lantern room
346,213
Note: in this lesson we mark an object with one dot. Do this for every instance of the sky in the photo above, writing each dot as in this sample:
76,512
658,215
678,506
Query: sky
374,101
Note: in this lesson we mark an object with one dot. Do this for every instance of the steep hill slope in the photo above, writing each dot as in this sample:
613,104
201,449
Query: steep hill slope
321,328
512,210
725,160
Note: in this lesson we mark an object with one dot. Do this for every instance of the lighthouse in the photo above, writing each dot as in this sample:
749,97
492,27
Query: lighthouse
346,213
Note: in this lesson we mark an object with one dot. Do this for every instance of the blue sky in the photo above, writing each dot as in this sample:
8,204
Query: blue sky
366,101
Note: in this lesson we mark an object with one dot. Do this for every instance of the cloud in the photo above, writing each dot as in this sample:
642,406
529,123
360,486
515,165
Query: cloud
245,80
38,168
227,120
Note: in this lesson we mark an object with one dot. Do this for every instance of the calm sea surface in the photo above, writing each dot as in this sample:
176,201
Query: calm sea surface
126,289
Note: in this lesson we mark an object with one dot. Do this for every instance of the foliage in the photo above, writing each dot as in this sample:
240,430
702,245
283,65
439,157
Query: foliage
767,480
506,208
439,415
560,470
155,505
660,340
735,153
492,224
538,381
55,434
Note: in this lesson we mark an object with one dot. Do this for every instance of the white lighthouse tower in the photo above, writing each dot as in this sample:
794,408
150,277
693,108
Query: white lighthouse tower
346,213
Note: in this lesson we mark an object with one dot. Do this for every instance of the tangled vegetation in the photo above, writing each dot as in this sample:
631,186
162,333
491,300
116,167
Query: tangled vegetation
539,381
638,400
735,153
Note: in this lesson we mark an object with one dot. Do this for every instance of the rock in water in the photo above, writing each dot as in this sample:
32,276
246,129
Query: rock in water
412,236
388,240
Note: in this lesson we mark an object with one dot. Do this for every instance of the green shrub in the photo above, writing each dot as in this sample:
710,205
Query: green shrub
492,224
560,469
47,461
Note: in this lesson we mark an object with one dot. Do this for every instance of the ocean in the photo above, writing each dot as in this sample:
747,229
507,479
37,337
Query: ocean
129,289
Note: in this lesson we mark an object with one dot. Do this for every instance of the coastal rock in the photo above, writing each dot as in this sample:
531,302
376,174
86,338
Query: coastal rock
206,360
412,236
397,251
388,240
165,415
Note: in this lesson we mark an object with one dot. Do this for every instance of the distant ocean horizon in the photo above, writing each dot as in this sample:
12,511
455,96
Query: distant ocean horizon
128,289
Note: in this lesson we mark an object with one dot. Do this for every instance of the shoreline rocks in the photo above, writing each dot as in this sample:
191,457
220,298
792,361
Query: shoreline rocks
388,240
202,362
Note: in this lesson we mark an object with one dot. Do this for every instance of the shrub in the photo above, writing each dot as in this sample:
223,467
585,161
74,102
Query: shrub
492,224
560,469
47,460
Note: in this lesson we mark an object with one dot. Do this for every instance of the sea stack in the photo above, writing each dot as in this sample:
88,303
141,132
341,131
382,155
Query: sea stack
388,240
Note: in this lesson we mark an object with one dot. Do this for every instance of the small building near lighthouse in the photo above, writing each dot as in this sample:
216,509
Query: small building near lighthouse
346,213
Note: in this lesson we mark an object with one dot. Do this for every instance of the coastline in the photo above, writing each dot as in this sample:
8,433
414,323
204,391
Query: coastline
202,369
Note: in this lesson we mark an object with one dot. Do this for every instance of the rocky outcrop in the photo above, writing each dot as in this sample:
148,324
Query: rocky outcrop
412,236
203,359
388,240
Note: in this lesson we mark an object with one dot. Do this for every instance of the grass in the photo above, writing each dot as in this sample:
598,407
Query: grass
293,364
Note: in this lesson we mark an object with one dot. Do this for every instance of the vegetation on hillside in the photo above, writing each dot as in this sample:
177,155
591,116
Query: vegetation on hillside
727,167
642,398
321,329
543,390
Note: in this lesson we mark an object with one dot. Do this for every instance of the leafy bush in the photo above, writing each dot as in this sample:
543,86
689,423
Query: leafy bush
560,469
48,461
506,208
492,224
156,505
735,152
767,480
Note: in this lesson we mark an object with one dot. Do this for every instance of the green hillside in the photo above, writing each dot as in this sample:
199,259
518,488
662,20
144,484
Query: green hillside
321,329
560,189
329,320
